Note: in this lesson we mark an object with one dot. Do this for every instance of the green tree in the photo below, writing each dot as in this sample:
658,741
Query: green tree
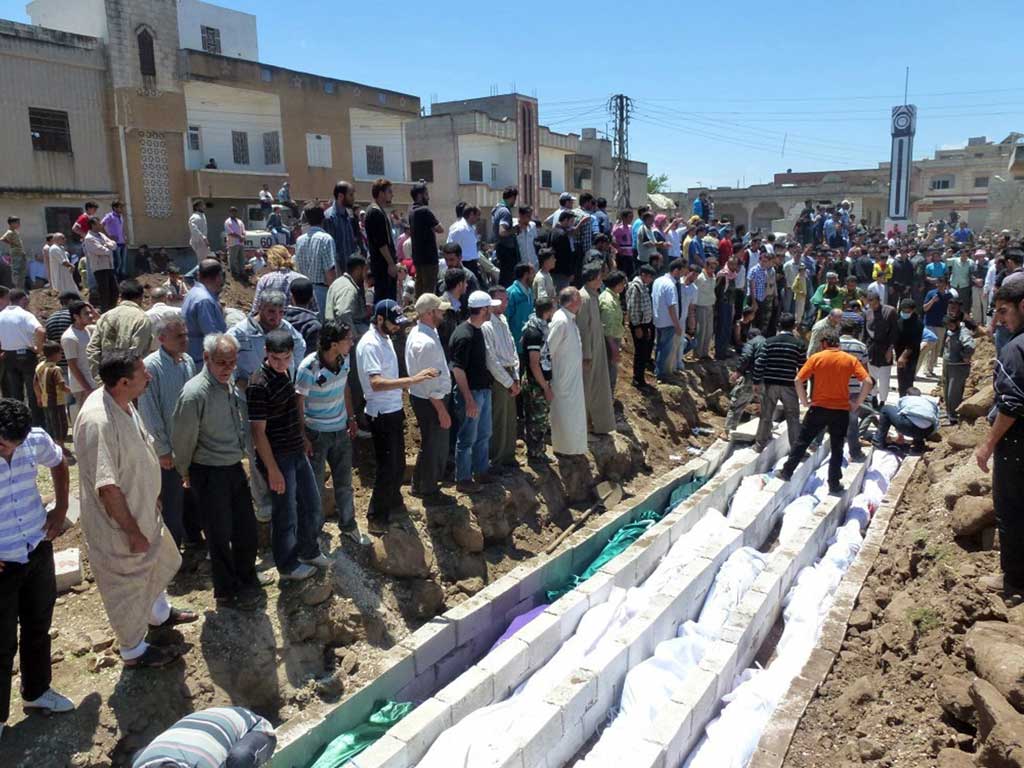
657,184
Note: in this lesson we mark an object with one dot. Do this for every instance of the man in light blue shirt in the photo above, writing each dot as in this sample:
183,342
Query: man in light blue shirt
28,589
315,256
169,368
667,323
201,309
914,416
251,335
325,403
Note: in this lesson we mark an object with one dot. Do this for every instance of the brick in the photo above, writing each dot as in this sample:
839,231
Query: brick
544,724
67,565
569,609
608,662
421,727
386,752
543,636
470,691
575,697
431,642
509,665
471,617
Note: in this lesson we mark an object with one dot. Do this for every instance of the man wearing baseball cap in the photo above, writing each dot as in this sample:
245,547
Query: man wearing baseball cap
382,387
430,399
472,395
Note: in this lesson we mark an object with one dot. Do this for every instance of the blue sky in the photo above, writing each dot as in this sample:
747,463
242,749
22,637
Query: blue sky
717,95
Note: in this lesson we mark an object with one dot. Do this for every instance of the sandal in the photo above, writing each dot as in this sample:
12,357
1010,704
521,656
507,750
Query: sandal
179,616
155,656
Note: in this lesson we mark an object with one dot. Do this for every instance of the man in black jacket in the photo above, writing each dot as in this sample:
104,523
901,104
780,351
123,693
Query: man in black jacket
902,277
880,329
907,344
565,256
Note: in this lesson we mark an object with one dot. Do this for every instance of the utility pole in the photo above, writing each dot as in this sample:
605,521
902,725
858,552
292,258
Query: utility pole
620,107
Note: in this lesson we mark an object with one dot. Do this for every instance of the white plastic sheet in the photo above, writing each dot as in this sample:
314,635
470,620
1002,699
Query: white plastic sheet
795,514
750,486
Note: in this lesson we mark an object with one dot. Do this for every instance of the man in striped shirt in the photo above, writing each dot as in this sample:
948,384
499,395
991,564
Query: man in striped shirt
212,738
849,343
315,256
28,588
775,369
325,402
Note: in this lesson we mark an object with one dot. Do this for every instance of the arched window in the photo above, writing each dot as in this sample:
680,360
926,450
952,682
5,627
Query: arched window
147,60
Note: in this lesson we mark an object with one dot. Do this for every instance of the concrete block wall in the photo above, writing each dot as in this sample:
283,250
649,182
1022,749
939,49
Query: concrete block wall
448,645
680,727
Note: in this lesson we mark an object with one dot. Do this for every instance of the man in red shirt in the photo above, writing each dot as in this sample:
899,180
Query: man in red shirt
829,408
81,225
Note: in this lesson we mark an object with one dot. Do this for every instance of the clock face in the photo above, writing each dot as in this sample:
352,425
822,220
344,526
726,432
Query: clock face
903,120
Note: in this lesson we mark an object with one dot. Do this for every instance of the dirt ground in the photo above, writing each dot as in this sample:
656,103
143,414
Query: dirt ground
322,639
898,692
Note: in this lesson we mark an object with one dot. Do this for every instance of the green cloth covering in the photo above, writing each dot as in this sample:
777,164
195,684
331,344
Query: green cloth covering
351,743
626,535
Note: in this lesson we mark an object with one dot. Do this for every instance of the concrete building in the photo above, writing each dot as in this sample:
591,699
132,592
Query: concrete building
154,90
53,139
470,150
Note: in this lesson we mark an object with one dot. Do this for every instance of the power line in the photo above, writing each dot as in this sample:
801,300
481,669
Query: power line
620,107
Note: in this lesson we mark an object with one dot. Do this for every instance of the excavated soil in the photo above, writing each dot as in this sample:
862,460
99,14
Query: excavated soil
322,640
897,694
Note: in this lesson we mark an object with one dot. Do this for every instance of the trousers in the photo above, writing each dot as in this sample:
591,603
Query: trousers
334,449
106,287
643,345
881,374
229,525
297,513
472,445
19,371
816,421
388,431
771,395
433,455
537,423
504,427
664,364
179,509
27,595
723,329
426,278
236,260
1007,491
739,398
954,377
890,416
906,375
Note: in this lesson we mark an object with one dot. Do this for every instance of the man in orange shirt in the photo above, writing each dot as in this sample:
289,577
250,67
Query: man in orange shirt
829,408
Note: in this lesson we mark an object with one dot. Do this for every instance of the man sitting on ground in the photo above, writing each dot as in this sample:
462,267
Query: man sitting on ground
914,416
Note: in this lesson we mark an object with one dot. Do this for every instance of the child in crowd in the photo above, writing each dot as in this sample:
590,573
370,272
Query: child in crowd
52,391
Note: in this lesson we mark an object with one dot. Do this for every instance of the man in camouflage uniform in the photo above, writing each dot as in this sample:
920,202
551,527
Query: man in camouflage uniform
536,367
743,383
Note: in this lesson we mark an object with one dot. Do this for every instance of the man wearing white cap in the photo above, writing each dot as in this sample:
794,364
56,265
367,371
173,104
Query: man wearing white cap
429,399
568,408
382,387
473,381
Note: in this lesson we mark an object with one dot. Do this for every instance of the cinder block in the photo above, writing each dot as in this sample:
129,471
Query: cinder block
421,727
471,617
386,752
431,642
638,636
544,724
569,609
508,665
623,569
608,663
471,690
597,588
543,635
673,729
67,565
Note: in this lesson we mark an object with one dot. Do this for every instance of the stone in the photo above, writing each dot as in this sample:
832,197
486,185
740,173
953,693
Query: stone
869,750
965,479
57,657
470,586
301,626
349,663
954,758
954,696
860,619
80,645
977,405
996,649
316,591
401,553
972,514
467,535
101,661
99,641
332,686
427,599
991,707
492,518
67,566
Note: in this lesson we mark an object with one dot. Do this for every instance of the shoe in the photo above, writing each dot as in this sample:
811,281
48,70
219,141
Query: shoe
997,583
438,500
468,486
49,703
320,561
265,578
264,515
298,573
540,458
377,527
416,493
155,656
357,536
836,489
486,478
178,616
784,476
248,600
859,456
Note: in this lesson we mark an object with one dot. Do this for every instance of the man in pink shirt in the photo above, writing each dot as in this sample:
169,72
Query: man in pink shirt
234,239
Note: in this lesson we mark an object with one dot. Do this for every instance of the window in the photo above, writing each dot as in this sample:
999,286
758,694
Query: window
374,160
545,179
980,182
147,59
240,147
581,179
194,140
329,86
266,75
318,150
942,182
476,170
271,148
421,170
50,130
211,39
494,174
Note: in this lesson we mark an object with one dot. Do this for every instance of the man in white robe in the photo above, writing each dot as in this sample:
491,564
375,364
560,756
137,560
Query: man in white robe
132,555
568,408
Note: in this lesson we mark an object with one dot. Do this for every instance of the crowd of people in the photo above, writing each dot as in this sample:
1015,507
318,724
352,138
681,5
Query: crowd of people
191,421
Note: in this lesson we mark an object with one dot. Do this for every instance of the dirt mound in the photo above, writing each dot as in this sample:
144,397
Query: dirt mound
323,640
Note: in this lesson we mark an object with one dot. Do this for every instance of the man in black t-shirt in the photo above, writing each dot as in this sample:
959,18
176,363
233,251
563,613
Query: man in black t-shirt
276,424
380,240
565,256
472,395
424,228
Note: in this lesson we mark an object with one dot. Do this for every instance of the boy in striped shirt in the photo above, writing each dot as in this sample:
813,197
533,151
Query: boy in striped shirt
325,402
